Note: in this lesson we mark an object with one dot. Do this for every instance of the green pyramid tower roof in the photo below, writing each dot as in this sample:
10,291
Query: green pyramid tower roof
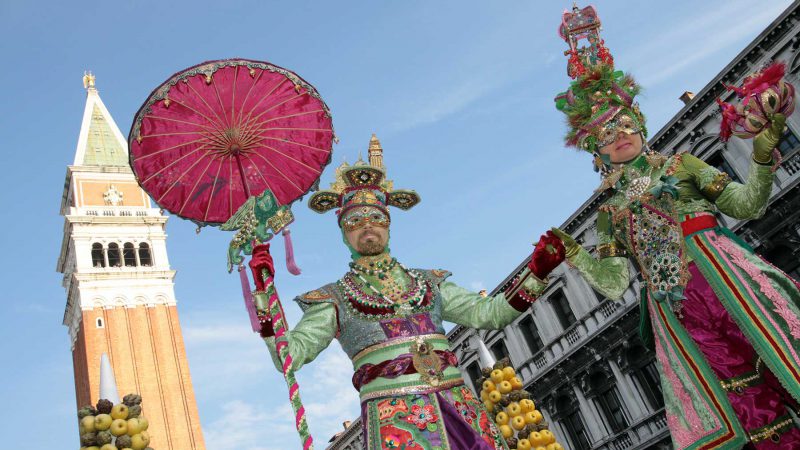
100,142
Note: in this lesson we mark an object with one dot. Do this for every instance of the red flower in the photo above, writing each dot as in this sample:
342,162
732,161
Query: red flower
421,416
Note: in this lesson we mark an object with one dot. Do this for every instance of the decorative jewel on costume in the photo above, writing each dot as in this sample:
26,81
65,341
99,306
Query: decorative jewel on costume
427,363
421,416
466,411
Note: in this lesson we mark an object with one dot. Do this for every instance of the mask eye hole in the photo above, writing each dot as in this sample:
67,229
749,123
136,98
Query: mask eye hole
608,136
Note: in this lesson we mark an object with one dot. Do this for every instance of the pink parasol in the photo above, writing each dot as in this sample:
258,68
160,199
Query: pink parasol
233,143
217,133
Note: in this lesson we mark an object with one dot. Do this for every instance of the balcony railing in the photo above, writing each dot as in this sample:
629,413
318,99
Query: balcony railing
115,211
573,337
646,431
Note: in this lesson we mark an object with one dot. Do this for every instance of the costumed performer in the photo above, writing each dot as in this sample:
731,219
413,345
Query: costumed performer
388,319
724,321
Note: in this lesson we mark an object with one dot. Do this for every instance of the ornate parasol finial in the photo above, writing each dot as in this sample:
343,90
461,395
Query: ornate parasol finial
88,80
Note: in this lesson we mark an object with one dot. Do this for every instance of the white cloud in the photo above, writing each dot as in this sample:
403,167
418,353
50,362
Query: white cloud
248,426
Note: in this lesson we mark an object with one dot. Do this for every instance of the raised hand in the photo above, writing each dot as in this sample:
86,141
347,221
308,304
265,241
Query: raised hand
260,262
547,255
768,139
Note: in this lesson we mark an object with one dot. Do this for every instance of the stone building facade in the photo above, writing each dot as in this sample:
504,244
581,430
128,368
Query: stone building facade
579,353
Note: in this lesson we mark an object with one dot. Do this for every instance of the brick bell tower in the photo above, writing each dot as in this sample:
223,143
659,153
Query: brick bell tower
119,285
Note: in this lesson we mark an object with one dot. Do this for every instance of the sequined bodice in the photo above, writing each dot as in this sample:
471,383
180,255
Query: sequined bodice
361,326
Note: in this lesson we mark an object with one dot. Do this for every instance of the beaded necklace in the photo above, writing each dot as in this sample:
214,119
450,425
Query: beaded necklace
378,269
411,299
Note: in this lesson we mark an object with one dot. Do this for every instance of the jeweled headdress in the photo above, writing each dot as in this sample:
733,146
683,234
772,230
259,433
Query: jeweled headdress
600,102
363,184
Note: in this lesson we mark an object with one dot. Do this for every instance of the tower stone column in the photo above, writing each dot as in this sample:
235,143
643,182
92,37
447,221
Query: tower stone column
119,285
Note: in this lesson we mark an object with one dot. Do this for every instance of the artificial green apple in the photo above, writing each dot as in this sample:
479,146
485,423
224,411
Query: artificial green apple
87,424
119,427
102,422
119,411
139,441
134,426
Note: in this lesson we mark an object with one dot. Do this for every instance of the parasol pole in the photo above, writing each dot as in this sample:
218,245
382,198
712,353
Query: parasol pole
273,311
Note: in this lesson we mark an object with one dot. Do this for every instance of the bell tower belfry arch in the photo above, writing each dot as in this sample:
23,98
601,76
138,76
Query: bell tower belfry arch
119,284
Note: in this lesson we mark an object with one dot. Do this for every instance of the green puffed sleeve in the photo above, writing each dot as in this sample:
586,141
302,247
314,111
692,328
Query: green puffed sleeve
312,334
469,309
740,201
748,200
608,274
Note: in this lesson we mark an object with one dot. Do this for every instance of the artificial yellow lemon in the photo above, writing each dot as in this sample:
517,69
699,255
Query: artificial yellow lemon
501,418
496,376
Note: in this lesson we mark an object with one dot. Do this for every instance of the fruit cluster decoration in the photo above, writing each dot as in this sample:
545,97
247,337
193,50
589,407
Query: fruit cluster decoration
107,426
515,414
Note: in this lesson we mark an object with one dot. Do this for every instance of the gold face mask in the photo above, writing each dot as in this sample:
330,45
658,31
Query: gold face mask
622,123
361,216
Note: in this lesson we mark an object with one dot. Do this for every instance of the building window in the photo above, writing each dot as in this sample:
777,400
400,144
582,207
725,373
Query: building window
531,335
129,254
100,323
145,259
562,309
718,160
114,258
97,255
573,423
499,350
650,384
474,374
608,400
789,143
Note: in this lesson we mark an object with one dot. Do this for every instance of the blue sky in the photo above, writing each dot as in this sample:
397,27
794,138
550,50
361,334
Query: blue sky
459,92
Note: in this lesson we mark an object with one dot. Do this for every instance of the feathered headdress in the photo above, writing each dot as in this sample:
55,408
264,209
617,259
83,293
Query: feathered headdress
599,95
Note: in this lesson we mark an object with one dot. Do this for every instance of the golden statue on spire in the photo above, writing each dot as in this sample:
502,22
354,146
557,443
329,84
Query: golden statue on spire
88,80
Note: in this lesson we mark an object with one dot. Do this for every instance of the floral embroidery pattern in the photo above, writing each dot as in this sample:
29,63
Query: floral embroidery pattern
421,416
466,411
394,438
781,305
388,408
